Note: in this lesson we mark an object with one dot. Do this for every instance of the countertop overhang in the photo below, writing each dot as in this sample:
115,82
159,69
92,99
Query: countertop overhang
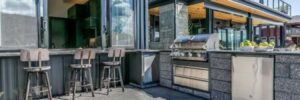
257,53
54,52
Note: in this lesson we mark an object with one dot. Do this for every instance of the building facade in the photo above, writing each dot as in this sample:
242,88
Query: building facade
137,24
132,24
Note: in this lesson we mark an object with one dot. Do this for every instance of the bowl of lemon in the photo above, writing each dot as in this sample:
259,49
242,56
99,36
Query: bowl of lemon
247,45
265,46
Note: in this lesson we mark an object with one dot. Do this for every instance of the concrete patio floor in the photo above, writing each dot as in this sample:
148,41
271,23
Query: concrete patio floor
131,93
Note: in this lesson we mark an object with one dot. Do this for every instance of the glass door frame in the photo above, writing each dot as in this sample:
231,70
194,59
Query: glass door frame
106,22
42,23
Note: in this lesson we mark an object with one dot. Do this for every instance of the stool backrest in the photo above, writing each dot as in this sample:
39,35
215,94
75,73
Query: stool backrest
116,53
34,55
85,54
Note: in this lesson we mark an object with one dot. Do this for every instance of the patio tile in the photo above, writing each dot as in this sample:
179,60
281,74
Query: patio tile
131,93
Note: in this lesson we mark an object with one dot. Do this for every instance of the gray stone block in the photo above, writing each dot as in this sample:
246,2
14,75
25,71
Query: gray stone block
220,55
201,94
218,74
221,86
283,85
295,71
165,82
282,70
287,59
282,96
295,97
287,85
220,63
165,58
175,87
185,90
216,95
166,75
165,67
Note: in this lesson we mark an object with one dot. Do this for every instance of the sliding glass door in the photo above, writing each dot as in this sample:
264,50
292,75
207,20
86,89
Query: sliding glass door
121,23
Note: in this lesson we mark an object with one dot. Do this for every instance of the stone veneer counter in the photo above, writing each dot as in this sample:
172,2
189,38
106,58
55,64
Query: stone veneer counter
286,74
12,77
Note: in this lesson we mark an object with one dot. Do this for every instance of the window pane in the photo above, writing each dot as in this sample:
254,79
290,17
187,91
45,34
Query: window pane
18,21
122,23
154,24
231,29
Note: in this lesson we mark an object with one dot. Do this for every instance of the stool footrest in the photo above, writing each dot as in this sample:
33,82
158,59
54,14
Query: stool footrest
87,85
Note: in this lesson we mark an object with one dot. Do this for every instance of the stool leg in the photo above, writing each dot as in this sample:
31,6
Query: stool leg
85,79
114,75
91,82
102,78
74,82
121,78
108,81
70,81
49,86
28,86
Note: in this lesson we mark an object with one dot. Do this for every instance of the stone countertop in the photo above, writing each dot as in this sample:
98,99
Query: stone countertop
54,52
257,53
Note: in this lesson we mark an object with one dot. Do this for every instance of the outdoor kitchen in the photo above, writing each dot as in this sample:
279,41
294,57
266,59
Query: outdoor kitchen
148,49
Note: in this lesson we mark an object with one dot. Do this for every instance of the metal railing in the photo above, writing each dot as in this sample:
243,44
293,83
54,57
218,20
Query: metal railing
278,5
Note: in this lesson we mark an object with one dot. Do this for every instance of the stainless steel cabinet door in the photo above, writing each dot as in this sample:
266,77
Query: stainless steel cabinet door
252,78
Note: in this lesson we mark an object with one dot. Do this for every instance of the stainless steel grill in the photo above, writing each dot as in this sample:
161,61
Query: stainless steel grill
190,62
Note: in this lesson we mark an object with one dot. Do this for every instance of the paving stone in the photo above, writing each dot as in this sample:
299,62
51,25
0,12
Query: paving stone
282,70
201,94
216,95
218,74
175,87
185,90
220,63
221,86
282,96
220,55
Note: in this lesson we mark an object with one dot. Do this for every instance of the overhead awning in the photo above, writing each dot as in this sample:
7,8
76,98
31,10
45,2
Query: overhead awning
248,9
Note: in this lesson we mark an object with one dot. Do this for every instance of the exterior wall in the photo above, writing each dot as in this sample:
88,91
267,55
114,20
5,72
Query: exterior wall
165,69
166,76
167,27
287,77
220,76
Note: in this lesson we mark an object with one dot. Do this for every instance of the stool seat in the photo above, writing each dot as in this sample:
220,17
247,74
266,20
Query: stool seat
37,69
79,66
111,63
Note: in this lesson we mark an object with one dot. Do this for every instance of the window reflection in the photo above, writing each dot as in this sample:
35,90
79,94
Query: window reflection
19,7
122,23
154,24
231,29
18,17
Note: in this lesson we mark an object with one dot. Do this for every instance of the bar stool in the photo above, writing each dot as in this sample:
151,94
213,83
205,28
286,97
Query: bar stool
33,56
83,70
116,54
